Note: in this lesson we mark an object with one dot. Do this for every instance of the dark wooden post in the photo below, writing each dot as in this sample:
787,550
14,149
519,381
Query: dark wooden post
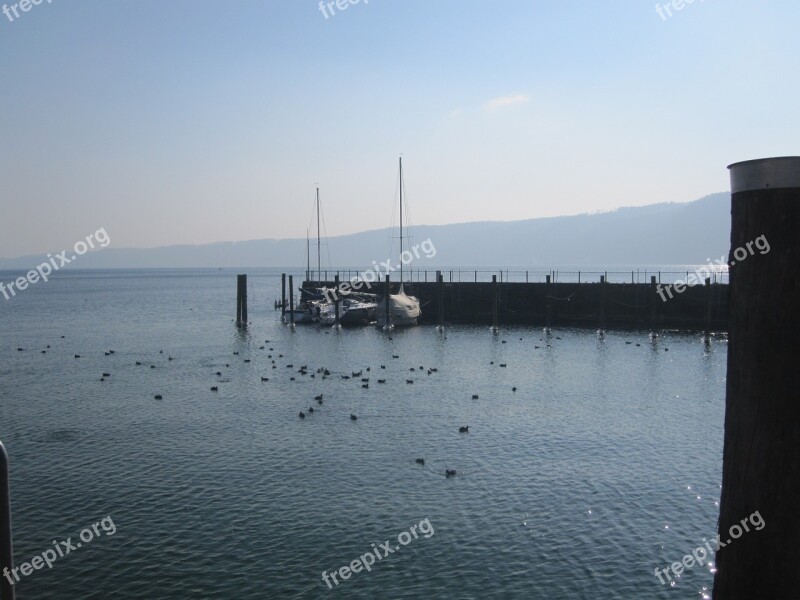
707,328
494,302
283,294
244,300
291,300
238,300
548,303
387,320
602,303
761,457
440,289
6,544
241,300
654,300
336,301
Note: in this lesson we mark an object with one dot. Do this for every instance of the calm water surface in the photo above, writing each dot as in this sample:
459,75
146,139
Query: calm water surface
604,464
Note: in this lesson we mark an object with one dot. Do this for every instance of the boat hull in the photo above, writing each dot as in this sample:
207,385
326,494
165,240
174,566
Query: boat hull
404,310
301,316
358,316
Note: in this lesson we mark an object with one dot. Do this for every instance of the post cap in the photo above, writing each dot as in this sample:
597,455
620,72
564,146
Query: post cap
765,174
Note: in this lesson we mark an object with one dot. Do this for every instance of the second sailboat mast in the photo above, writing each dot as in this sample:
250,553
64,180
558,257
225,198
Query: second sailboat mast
401,220
319,262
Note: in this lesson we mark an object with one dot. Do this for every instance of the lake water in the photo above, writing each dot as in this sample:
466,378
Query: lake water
603,465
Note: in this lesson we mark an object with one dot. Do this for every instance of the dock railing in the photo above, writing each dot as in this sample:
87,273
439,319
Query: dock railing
716,275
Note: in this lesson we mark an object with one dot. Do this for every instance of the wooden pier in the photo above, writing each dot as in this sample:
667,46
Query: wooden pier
702,307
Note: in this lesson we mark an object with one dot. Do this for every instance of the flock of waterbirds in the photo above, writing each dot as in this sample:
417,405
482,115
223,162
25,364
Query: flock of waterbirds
322,374
363,377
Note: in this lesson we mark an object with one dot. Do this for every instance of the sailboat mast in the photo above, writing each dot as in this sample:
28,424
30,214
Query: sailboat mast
319,262
308,257
401,221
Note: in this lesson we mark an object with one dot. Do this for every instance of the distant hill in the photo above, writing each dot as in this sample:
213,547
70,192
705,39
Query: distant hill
659,234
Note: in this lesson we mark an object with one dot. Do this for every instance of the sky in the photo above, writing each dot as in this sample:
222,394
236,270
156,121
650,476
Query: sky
191,121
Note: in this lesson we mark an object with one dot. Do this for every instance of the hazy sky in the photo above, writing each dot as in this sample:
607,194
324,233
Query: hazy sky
190,121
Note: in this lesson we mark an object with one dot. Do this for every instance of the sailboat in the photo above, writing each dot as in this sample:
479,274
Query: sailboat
307,310
403,310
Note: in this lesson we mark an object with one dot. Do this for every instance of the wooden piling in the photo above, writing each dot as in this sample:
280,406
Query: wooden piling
387,320
283,294
654,300
761,465
548,303
291,300
6,544
336,301
241,300
440,294
602,319
238,300
494,302
707,328
245,318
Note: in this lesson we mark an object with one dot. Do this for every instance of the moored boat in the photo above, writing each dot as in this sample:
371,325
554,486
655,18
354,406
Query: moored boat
404,310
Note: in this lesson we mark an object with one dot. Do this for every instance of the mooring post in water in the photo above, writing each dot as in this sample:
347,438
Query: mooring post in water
336,301
238,300
602,304
387,319
761,462
241,300
440,294
707,328
283,294
654,299
548,309
6,544
494,302
291,300
245,318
